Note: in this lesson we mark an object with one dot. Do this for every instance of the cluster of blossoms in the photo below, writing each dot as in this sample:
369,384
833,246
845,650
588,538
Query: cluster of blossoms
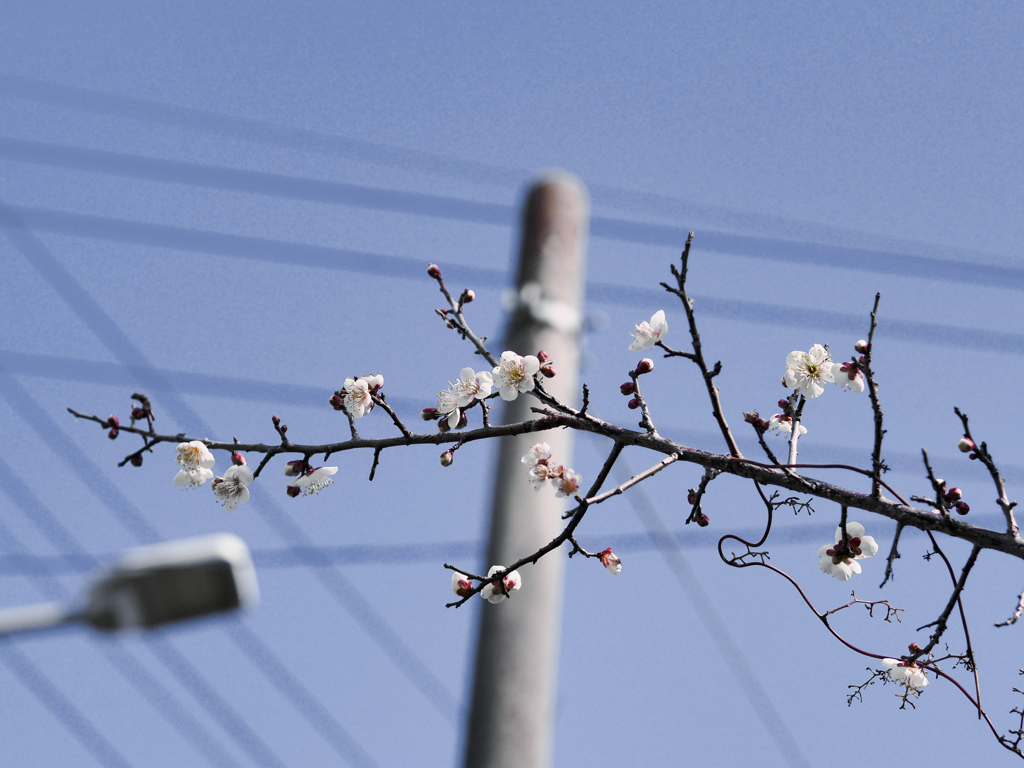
308,479
356,396
840,559
953,496
542,469
462,585
470,387
195,461
808,372
906,672
647,334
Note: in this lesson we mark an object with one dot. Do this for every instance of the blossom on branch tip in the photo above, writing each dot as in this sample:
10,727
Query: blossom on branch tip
840,559
782,424
232,489
647,334
611,562
514,374
848,375
313,481
461,584
494,593
906,672
195,461
808,372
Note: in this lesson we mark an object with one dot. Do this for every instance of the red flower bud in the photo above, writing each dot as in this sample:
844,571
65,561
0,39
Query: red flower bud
284,428
784,405
337,402
543,356
966,445
953,494
442,425
467,296
962,507
644,366
973,456
628,388
548,371
861,346
463,420
691,497
293,491
447,458
914,648
137,460
428,414
703,521
237,459
633,404
276,419
112,421
138,414
434,272
112,434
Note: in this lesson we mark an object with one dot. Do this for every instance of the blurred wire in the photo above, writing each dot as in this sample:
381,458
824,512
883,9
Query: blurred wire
50,696
731,652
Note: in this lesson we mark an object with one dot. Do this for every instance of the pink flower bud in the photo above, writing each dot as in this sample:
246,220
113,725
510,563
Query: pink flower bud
447,458
861,346
284,428
112,434
645,366
294,468
294,491
962,507
112,421
276,419
463,420
861,360
337,402
633,404
703,521
467,296
543,356
138,413
442,426
973,456
137,460
940,482
548,371
628,388
914,648
966,445
953,494
784,405
237,459
434,272
691,497
428,414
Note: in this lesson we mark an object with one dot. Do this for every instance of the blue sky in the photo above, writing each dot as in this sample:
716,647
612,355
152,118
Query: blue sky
231,206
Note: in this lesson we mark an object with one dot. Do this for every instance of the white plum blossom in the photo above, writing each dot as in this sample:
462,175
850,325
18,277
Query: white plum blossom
539,452
840,559
538,476
567,483
808,372
357,397
232,489
647,334
848,375
611,562
781,424
195,461
493,593
906,672
470,387
461,584
313,480
514,374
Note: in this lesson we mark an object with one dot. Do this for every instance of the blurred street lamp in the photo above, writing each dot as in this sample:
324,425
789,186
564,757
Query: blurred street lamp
152,586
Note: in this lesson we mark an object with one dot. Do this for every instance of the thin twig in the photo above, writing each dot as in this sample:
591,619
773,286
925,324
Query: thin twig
1016,613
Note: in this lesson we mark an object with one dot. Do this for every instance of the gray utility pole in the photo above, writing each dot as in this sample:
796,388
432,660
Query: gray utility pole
515,681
